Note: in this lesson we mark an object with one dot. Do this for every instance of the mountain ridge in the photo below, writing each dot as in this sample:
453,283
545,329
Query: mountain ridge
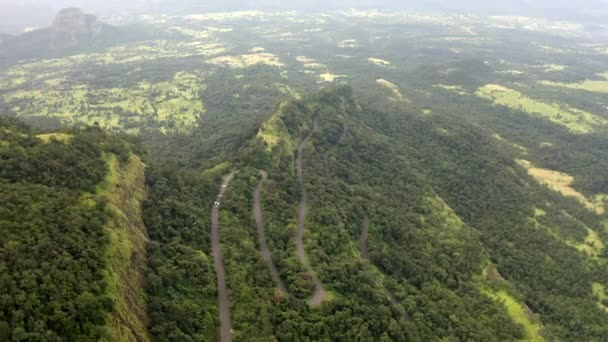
74,244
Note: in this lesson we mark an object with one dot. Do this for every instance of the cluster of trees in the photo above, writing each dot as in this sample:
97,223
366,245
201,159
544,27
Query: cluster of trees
53,278
180,284
421,280
480,181
398,168
444,201
76,166
416,254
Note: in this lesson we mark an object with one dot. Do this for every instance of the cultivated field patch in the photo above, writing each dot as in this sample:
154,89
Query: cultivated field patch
552,67
313,67
246,61
562,183
61,137
133,53
512,72
517,146
172,106
598,86
578,121
329,77
456,89
599,291
379,62
348,44
396,92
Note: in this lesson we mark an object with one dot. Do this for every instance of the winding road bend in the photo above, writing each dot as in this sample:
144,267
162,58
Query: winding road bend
261,225
319,295
224,304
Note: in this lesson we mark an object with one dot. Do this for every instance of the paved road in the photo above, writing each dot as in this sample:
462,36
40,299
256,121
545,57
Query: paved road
319,295
224,304
261,225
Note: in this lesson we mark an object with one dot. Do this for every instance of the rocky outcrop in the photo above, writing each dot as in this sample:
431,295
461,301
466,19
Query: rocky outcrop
72,26
74,20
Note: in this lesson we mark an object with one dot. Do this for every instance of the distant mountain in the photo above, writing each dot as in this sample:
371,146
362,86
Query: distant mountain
17,15
74,22
72,31
71,28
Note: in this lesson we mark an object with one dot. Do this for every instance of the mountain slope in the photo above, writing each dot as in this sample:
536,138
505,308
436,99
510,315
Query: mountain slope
367,225
73,245
124,190
439,260
460,241
72,32
480,179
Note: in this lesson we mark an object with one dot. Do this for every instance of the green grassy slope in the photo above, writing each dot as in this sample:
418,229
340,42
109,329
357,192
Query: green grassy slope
481,182
73,244
124,191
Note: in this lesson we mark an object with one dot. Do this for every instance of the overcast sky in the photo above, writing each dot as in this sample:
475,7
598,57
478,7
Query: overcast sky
17,14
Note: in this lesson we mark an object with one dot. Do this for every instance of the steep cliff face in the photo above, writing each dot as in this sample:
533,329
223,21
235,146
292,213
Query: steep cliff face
124,191
74,20
72,27
71,31
72,239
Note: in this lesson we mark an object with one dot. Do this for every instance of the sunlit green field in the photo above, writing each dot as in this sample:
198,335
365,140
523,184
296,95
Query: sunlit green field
600,291
220,62
599,86
578,121
519,314
175,105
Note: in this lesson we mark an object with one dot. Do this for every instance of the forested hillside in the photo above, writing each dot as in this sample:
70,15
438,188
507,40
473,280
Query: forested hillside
72,251
417,228
356,175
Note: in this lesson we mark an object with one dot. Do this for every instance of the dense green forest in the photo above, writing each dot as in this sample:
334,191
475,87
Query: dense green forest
456,231
56,255
447,259
351,176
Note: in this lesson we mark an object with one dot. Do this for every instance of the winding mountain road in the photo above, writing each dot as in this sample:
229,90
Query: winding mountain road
319,295
261,225
224,304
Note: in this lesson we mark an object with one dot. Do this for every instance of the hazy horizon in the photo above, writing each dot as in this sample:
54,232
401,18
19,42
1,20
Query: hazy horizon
15,16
